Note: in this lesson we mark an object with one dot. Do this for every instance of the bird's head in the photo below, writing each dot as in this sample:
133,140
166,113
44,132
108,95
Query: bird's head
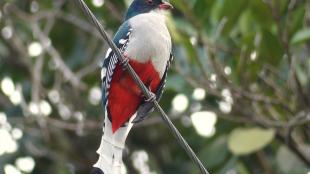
145,6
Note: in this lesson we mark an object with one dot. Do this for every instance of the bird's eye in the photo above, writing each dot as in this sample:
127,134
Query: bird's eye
150,2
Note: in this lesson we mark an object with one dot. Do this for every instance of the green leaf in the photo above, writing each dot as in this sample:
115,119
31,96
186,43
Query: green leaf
232,11
242,169
301,36
261,13
288,163
302,76
246,23
243,141
230,165
270,49
216,153
297,20
179,5
215,15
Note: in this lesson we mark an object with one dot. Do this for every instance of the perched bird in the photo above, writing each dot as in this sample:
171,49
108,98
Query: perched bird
144,40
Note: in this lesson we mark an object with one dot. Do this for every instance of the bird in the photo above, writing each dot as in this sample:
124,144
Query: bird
144,40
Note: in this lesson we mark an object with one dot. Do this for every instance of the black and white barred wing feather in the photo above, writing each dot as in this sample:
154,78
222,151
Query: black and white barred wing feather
121,40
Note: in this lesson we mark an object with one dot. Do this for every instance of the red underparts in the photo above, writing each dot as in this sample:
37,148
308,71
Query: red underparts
125,96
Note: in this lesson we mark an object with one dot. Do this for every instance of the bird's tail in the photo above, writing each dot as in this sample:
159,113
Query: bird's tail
111,147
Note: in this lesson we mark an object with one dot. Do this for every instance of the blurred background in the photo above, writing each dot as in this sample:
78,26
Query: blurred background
238,90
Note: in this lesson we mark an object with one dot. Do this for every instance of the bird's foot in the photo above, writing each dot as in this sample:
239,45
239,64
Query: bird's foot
125,63
150,99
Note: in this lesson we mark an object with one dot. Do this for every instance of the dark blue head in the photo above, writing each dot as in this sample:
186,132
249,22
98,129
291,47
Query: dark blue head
145,6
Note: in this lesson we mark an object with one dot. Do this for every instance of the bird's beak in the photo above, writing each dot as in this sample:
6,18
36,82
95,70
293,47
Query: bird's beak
165,6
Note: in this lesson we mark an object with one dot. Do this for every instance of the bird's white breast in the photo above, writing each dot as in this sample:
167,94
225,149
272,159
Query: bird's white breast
150,39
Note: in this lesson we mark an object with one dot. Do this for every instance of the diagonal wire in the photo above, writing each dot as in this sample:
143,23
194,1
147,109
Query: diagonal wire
143,88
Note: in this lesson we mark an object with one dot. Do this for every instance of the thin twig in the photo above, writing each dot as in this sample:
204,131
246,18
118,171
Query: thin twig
143,88
284,38
60,64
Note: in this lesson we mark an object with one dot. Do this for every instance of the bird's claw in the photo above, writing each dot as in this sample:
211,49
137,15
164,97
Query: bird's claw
151,99
125,63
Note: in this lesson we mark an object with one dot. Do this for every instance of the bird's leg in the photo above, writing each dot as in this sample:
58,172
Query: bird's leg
124,63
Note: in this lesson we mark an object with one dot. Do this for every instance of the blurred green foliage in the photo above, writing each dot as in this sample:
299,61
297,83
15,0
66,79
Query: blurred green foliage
252,58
